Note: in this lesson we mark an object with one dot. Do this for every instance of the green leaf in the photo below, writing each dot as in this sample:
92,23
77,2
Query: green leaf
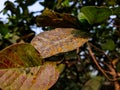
65,3
94,14
116,11
19,55
82,18
3,29
93,84
108,45
111,2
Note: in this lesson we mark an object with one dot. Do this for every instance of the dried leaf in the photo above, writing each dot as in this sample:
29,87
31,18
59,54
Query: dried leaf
54,19
19,55
56,41
32,78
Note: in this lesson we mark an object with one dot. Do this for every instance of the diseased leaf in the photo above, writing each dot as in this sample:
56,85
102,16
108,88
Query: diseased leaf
94,14
54,19
19,55
56,41
31,78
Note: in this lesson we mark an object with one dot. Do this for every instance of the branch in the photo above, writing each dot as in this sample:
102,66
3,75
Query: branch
99,67
100,51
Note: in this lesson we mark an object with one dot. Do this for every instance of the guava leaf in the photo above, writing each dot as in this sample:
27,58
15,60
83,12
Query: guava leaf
116,11
19,55
30,78
54,19
61,67
93,84
3,29
108,45
94,14
111,2
57,41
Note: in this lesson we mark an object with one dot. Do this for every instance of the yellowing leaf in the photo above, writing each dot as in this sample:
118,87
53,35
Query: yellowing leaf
19,55
56,41
32,78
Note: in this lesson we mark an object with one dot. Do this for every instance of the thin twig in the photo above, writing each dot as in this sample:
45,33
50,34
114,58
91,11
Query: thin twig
100,51
99,67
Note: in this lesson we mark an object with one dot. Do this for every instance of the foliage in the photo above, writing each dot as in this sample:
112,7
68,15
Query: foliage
19,55
30,78
57,41
91,19
23,55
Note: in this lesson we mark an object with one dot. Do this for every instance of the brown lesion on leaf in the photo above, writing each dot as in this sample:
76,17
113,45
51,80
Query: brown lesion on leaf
57,41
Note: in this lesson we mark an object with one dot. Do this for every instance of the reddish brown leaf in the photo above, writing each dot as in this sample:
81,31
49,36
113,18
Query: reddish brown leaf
56,41
19,55
54,19
32,78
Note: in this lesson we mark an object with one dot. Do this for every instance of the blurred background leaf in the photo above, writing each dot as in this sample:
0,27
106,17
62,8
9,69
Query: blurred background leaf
94,14
93,84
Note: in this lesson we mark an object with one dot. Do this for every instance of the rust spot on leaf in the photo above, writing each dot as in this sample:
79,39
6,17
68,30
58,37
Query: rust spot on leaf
56,41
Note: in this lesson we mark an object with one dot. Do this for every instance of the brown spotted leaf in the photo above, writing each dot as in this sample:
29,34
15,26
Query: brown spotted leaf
54,19
31,78
19,55
57,41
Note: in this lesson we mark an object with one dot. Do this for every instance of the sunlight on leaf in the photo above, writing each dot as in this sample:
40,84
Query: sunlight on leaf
56,41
